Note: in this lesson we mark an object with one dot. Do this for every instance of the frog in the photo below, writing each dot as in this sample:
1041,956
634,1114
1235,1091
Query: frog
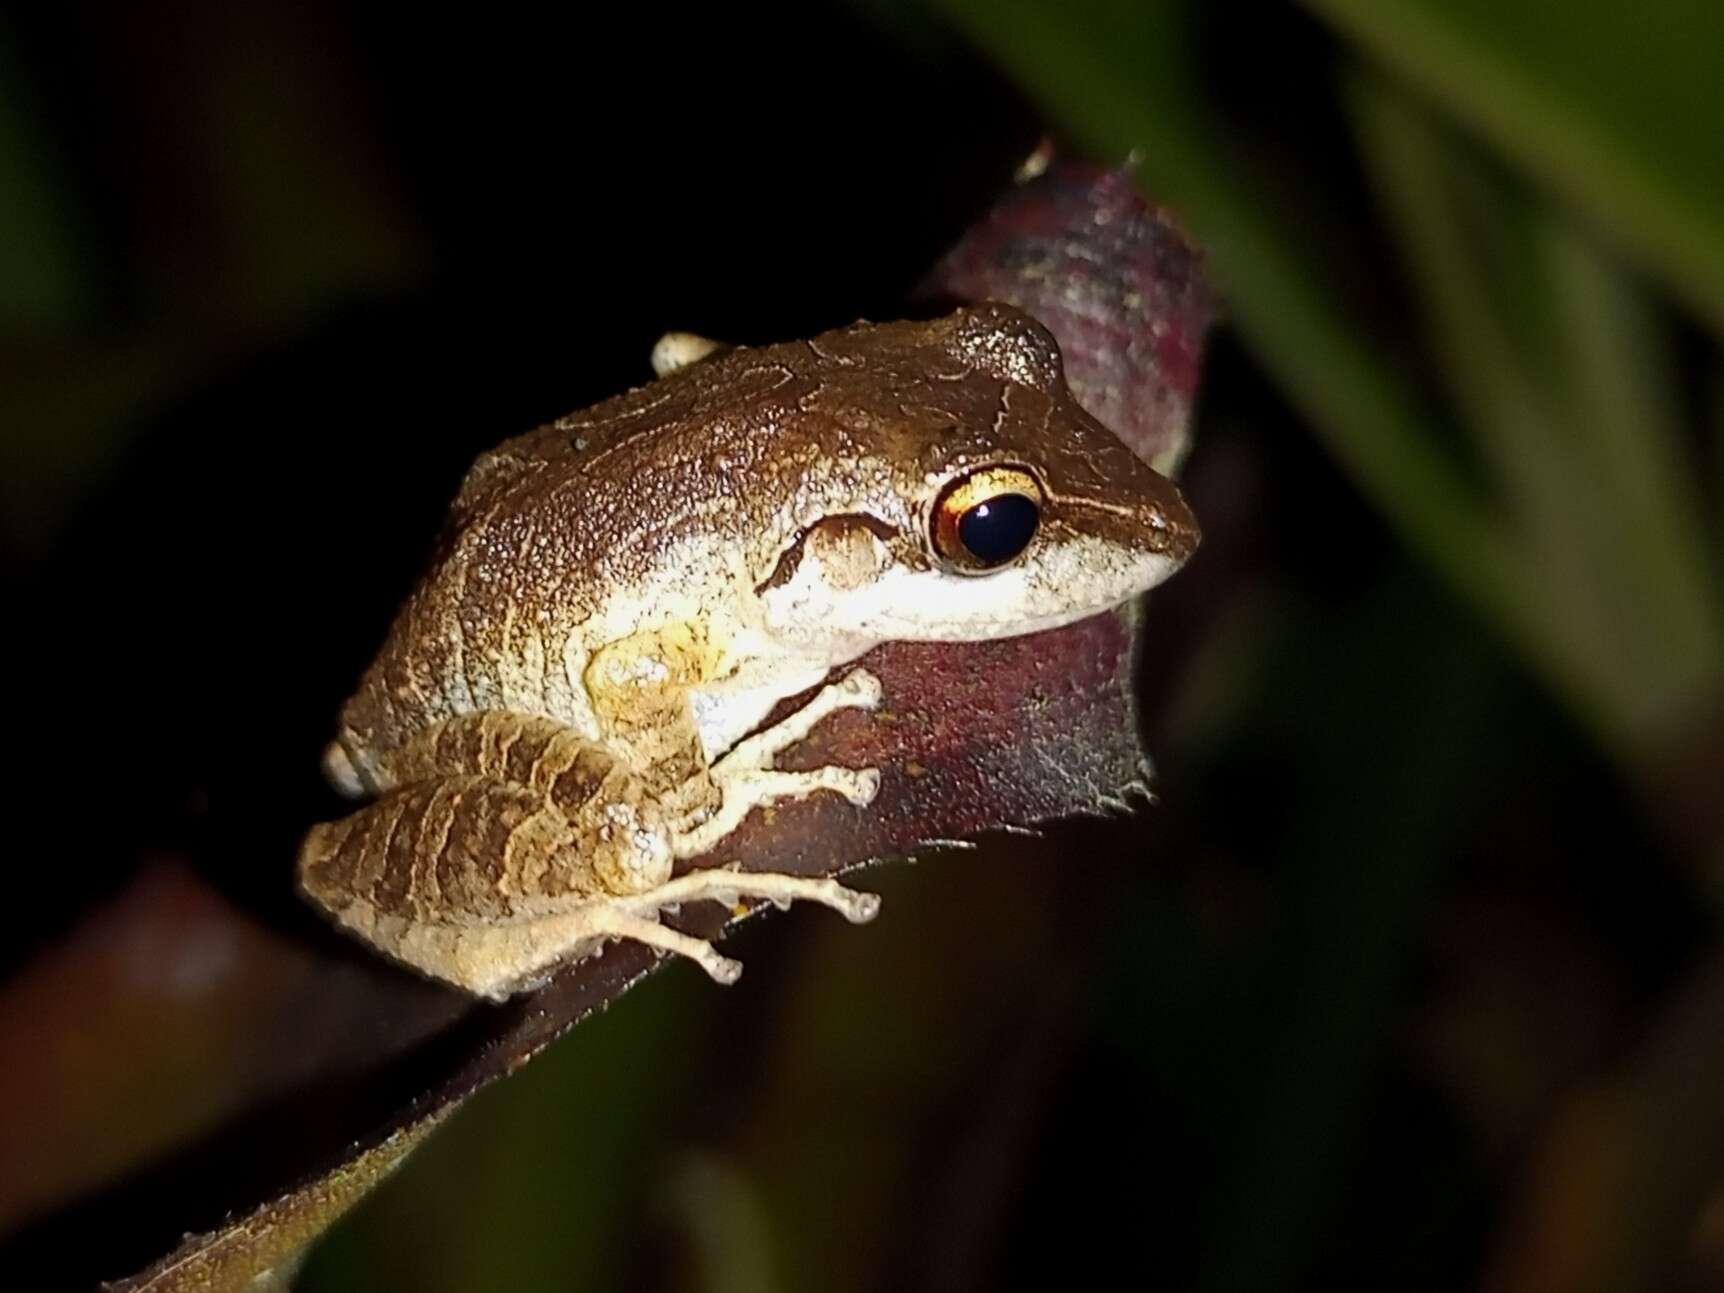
574,699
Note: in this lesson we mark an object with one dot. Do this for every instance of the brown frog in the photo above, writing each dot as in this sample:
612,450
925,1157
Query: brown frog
567,704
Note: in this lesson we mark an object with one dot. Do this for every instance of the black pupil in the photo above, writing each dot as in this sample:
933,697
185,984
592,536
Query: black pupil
998,529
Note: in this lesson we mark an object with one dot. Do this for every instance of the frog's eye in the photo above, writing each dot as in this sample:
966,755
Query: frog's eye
986,519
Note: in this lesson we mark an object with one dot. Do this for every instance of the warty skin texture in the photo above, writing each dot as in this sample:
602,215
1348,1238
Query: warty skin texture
620,597
681,499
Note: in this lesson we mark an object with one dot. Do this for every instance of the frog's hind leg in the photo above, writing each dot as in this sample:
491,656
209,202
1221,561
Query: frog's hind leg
726,886
616,919
635,916
517,847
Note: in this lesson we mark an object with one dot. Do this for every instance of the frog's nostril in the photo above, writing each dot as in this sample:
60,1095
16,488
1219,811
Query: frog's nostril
1177,527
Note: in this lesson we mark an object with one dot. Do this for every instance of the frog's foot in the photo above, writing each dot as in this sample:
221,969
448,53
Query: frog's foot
677,350
635,916
746,780
621,918
725,885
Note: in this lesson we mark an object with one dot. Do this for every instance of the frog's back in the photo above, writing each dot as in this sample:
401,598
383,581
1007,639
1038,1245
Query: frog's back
545,524
623,493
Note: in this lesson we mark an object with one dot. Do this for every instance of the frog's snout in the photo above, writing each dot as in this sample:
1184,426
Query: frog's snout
1173,525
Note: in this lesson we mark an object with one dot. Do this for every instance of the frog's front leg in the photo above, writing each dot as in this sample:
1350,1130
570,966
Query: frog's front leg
640,685
746,780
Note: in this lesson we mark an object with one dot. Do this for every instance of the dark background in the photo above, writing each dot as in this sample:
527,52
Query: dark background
1408,981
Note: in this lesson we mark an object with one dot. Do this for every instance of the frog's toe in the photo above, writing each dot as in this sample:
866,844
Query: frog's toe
677,350
861,689
722,969
859,786
861,908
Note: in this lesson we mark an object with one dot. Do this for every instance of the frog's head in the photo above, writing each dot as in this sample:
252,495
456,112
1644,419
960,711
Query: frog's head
974,499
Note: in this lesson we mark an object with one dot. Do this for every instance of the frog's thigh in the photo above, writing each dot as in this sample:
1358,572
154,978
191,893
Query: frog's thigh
612,810
526,750
468,879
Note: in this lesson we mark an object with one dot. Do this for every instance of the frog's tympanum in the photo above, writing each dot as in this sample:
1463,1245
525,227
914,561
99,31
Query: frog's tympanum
571,700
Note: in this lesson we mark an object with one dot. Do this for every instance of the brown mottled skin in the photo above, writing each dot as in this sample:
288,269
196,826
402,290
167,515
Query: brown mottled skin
552,517
530,727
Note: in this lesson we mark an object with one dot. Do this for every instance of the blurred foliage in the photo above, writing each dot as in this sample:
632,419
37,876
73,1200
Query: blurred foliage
1412,979
1544,186
1579,529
